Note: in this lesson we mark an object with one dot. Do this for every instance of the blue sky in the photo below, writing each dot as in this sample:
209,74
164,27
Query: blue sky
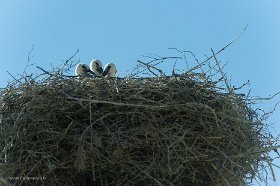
122,31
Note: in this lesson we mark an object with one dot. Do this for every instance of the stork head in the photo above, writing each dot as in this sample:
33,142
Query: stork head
96,67
82,70
110,70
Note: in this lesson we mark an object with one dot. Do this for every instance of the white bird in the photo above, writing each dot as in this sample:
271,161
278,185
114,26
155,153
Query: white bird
82,70
96,67
110,70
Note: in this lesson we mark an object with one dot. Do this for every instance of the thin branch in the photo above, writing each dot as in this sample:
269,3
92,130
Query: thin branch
149,66
203,62
5,183
260,98
28,61
13,77
72,56
227,44
220,69
46,72
258,151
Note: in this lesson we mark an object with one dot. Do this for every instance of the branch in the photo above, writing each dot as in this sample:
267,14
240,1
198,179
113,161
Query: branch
202,63
149,66
46,72
223,75
71,57
262,150
5,183
13,77
227,44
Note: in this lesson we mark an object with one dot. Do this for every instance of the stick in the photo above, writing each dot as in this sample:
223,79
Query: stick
223,75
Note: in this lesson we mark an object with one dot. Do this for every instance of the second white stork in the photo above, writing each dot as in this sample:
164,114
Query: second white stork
110,70
96,67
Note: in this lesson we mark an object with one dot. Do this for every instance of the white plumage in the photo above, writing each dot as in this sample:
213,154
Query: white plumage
96,67
82,70
110,70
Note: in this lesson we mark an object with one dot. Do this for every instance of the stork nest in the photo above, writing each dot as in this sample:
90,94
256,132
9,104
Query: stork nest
60,130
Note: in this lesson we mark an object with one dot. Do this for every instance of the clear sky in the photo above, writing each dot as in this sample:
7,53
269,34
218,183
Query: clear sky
122,31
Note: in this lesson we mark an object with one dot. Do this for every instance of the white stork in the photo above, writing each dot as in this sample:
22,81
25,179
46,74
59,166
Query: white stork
82,70
110,70
96,67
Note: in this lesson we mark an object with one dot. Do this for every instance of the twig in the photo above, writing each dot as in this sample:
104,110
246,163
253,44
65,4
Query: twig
268,98
227,44
258,151
28,61
46,72
13,77
220,70
5,183
72,56
203,62
149,66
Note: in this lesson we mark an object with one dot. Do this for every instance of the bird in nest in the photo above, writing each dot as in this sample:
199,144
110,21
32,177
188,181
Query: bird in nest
82,70
110,70
96,67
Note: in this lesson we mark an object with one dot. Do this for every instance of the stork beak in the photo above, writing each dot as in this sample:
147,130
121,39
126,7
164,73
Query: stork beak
104,73
90,71
100,70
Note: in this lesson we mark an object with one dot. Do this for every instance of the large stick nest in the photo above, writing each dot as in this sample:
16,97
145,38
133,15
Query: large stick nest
59,130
